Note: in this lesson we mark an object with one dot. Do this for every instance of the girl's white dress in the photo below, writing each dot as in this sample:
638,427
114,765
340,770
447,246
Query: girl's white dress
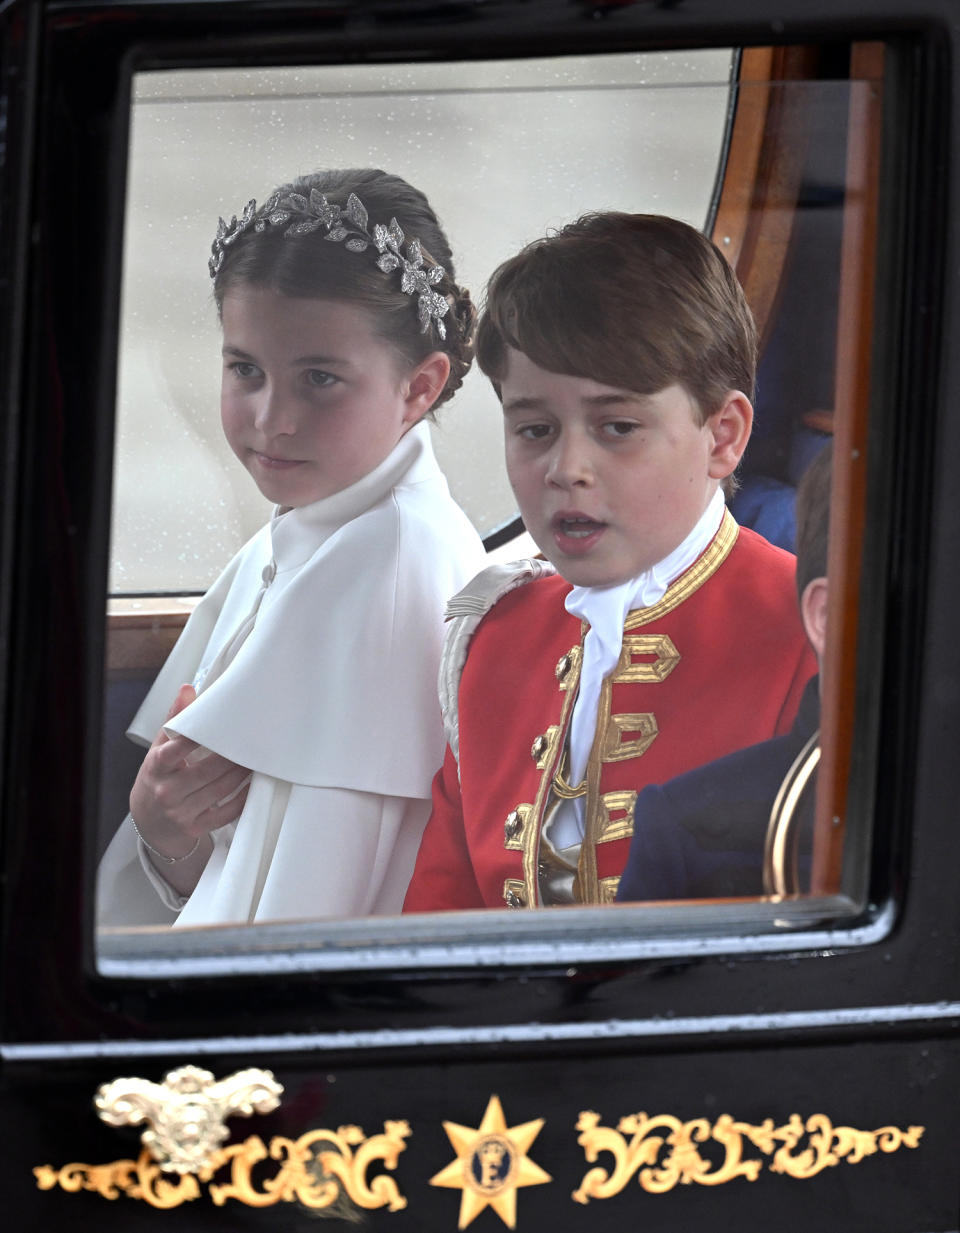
315,658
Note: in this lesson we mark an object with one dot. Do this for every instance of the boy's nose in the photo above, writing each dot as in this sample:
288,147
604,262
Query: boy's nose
274,415
569,465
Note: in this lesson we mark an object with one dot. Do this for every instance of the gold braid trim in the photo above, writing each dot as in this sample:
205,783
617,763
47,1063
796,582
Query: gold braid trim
568,685
704,567
586,884
562,787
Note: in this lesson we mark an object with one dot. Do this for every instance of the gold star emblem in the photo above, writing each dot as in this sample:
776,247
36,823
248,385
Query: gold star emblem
491,1165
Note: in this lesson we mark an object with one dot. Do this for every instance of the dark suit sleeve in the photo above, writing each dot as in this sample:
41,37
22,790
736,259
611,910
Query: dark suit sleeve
656,865
701,835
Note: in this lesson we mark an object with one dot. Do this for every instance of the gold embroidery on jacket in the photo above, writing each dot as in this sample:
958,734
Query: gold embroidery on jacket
547,752
544,747
514,893
646,659
515,827
585,885
608,889
616,815
568,667
561,786
617,746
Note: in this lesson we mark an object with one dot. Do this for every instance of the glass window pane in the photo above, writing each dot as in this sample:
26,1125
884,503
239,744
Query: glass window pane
503,150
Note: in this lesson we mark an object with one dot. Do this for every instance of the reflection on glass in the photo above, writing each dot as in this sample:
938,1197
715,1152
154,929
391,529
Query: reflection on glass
500,184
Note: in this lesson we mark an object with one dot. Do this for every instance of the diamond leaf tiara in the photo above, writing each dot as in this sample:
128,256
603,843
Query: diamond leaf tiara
300,215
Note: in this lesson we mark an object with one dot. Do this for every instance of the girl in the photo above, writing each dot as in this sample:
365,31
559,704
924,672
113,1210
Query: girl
291,779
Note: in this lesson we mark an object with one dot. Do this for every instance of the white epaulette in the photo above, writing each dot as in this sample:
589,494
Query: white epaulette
464,613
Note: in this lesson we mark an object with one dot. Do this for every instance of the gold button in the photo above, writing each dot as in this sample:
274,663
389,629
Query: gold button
539,748
563,667
513,899
513,825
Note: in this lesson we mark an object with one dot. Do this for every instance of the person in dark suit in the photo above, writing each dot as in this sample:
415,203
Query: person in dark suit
702,834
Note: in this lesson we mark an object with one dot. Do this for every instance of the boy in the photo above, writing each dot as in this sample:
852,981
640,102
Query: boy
703,834
623,352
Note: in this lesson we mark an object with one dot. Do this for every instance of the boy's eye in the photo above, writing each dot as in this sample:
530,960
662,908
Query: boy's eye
533,432
621,428
319,379
243,369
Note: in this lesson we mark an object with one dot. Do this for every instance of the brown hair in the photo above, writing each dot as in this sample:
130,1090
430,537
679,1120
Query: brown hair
638,301
813,518
309,267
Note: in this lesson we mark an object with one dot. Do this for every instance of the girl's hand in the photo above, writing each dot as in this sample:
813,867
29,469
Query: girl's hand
175,801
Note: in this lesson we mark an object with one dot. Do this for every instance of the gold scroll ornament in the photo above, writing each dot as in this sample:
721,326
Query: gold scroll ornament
186,1126
321,1169
664,1150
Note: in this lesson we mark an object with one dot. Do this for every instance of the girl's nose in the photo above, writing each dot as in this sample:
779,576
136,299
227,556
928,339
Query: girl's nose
274,414
569,465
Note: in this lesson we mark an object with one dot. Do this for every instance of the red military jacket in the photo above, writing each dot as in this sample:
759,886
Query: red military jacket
718,663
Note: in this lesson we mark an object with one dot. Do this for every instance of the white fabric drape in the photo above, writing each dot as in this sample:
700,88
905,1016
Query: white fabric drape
315,658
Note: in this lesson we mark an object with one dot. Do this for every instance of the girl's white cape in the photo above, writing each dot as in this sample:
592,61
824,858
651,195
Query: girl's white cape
315,655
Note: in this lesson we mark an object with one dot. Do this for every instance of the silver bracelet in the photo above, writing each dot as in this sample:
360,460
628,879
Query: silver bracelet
167,860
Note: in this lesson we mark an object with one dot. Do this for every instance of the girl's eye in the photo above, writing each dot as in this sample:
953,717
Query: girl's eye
320,379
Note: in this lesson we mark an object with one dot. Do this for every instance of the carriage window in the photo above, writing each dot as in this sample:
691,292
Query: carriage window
766,152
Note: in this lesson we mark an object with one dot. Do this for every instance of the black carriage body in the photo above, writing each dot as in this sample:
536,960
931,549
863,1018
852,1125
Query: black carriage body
713,1041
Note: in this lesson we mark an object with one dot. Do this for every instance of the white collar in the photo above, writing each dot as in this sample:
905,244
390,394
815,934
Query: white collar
296,533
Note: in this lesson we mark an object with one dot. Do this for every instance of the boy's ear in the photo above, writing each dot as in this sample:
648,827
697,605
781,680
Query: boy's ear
813,612
730,426
424,385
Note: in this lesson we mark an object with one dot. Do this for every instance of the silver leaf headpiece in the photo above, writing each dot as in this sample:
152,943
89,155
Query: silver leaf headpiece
299,215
